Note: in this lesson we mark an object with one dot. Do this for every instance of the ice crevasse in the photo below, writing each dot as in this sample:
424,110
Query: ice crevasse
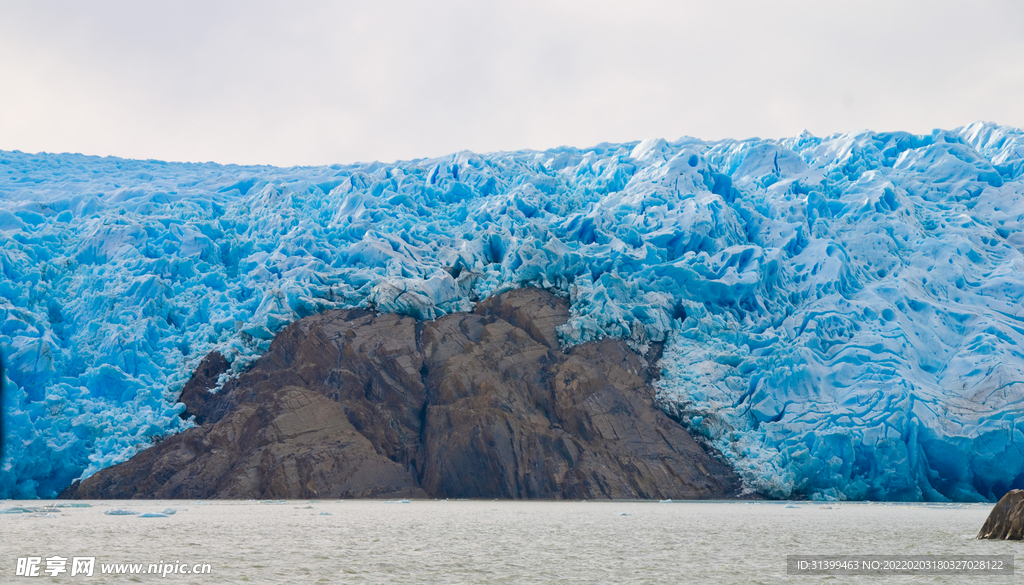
842,316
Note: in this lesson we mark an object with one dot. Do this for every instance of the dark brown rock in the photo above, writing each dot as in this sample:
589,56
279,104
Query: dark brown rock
196,394
1006,521
484,404
293,444
533,310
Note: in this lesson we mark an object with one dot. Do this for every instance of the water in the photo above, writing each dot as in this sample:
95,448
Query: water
302,541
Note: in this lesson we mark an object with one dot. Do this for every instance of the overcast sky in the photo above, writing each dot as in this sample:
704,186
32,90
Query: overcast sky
322,82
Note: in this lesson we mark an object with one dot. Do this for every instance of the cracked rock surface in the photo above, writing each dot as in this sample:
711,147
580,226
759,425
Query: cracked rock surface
1006,521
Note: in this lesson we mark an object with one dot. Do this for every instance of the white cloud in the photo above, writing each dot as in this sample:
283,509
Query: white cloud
322,82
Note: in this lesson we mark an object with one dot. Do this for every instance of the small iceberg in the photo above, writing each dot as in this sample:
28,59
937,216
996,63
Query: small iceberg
169,511
153,515
121,512
28,510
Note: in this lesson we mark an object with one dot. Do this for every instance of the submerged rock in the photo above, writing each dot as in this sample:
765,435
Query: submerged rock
1006,521
351,403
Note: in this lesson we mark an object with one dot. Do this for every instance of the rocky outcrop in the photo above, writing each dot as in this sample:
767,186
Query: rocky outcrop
481,405
196,393
1006,521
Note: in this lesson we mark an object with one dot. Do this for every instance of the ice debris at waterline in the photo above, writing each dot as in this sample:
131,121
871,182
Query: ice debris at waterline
843,315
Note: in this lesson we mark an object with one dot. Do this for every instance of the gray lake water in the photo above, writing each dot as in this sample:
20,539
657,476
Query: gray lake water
299,541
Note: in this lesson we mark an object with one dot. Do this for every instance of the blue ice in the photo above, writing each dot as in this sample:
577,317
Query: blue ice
842,315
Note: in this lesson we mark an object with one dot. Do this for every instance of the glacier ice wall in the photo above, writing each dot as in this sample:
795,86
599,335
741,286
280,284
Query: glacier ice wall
842,315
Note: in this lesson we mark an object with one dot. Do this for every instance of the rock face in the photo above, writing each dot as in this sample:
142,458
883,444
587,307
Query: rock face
196,393
1006,521
350,404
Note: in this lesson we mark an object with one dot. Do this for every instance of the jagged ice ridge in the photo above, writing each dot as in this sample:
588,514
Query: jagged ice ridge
842,315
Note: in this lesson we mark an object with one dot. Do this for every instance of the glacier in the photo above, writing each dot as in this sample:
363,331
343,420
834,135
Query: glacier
842,316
